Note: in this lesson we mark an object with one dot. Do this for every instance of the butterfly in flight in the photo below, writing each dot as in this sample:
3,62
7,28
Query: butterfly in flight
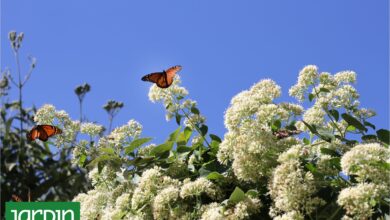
43,132
162,79
280,134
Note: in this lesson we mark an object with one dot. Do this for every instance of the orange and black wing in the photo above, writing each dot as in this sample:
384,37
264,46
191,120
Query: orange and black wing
162,79
159,78
16,198
171,72
43,132
33,134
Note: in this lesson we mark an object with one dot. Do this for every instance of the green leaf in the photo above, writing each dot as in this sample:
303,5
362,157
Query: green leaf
311,167
351,128
252,193
335,114
178,118
311,97
135,144
107,150
306,141
173,136
82,159
325,135
335,161
353,121
324,90
214,176
368,124
237,196
162,148
103,158
215,138
329,152
369,137
214,147
195,110
383,135
203,130
184,136
276,125
311,128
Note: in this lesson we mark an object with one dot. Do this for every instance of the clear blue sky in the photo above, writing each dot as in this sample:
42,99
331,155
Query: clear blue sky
224,46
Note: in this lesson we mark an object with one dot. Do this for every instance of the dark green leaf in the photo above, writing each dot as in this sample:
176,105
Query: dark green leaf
311,168
237,196
195,110
276,125
329,152
215,138
252,193
353,121
306,141
135,144
369,137
173,136
368,124
311,128
335,114
324,90
204,129
311,97
383,135
162,148
178,118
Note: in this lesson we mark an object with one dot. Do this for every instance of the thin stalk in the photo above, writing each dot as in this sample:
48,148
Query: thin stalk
81,110
327,113
20,86
111,117
196,127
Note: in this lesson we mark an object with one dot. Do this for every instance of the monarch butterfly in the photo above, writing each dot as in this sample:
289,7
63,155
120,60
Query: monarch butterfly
17,198
162,79
43,132
286,133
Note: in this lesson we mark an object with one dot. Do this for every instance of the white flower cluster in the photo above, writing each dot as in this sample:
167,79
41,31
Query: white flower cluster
91,129
48,114
241,210
359,201
124,134
291,188
368,163
249,143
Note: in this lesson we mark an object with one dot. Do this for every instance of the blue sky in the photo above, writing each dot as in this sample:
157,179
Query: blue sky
224,46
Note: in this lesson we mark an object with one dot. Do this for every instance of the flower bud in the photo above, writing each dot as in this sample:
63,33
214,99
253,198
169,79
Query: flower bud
20,37
12,36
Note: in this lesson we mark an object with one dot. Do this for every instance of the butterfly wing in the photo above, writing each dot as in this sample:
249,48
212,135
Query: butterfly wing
153,77
162,79
33,134
171,72
16,198
43,132
46,131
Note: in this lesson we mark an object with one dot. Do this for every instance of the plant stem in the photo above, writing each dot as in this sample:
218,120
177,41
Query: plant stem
196,128
20,86
81,110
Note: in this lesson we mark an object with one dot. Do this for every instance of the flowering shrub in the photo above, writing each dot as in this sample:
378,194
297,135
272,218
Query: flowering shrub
324,172
276,160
